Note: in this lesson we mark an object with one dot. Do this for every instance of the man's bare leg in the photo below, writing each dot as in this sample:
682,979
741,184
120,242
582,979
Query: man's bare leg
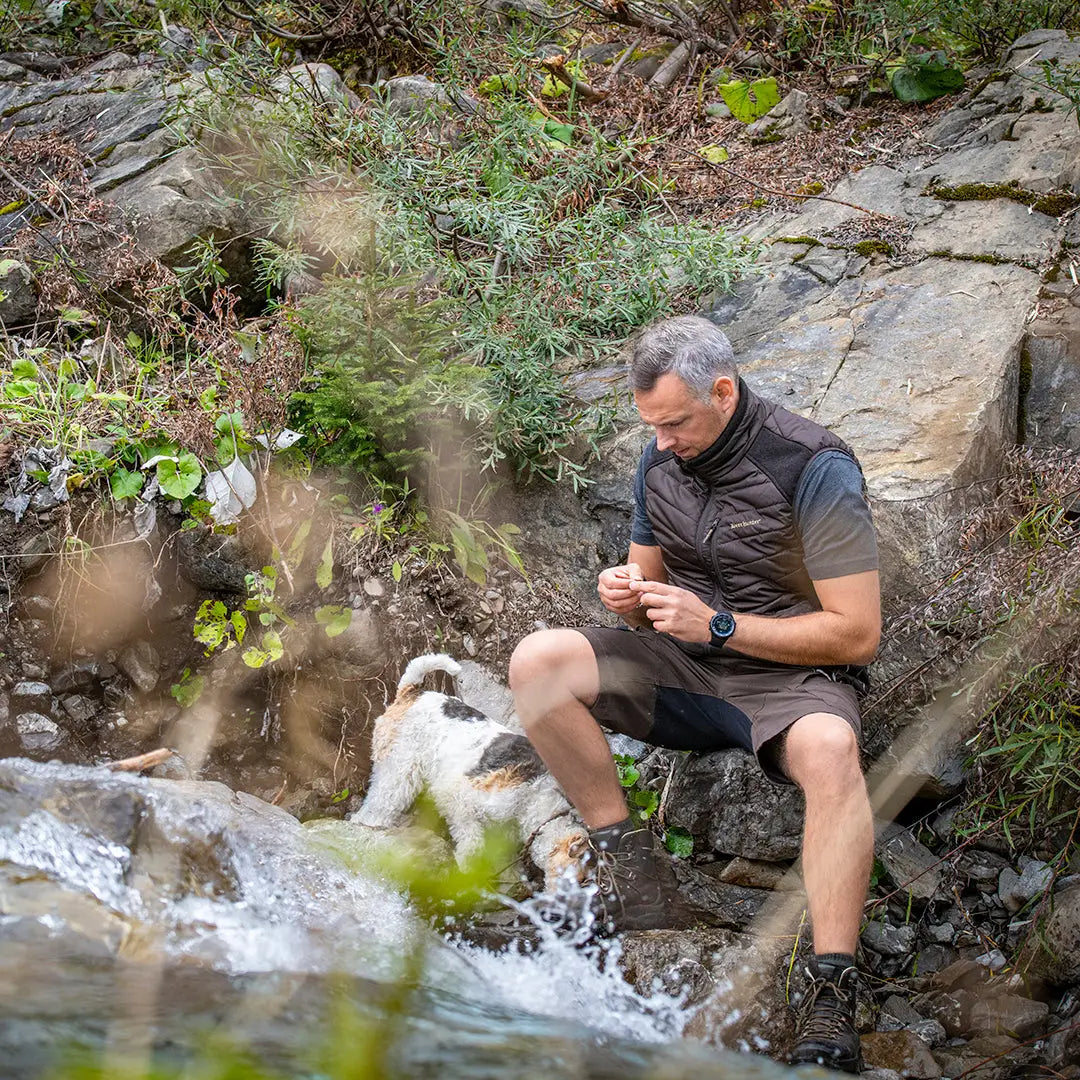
821,755
555,679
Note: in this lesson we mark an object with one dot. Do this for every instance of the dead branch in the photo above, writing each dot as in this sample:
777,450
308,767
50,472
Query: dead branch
620,11
141,762
555,66
673,66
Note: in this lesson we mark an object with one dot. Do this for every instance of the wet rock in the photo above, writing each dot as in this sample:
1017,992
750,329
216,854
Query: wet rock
38,734
903,1052
952,1011
897,1012
675,961
1016,890
1009,1014
932,958
961,975
140,663
728,906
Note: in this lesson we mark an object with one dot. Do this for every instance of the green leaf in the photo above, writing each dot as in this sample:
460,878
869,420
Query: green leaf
629,773
499,84
925,77
715,153
325,573
24,369
271,650
272,644
679,842
340,796
77,315
125,484
645,801
239,625
335,619
554,134
179,478
20,388
750,101
188,690
229,424
396,570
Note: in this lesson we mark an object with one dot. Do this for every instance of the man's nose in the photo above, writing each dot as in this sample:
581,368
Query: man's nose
663,440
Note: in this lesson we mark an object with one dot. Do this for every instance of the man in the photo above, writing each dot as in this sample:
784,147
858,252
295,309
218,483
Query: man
752,601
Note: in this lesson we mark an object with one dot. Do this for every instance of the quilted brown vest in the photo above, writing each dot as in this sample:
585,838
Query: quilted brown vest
725,519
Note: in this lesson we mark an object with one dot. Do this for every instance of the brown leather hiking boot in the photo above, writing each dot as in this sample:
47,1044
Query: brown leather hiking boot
636,888
826,1033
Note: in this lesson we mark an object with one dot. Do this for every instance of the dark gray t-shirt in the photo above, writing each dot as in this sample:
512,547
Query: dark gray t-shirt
831,514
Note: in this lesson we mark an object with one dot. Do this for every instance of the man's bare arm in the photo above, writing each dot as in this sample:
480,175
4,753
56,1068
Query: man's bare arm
846,631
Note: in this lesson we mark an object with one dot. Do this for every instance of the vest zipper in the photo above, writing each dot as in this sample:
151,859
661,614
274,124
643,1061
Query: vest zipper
712,561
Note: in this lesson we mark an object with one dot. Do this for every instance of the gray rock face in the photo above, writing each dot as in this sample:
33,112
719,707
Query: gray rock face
913,355
115,112
889,940
725,800
19,298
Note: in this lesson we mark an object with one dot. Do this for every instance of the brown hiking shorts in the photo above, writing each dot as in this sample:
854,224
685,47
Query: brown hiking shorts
653,689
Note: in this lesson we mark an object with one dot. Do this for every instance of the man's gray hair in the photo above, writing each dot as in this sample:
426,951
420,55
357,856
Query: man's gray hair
690,346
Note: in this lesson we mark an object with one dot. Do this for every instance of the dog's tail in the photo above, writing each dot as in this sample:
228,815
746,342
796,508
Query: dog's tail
423,666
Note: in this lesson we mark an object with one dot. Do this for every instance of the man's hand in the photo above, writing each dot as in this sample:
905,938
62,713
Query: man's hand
674,611
613,586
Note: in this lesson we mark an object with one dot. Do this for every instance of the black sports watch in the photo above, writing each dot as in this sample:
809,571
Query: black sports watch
721,627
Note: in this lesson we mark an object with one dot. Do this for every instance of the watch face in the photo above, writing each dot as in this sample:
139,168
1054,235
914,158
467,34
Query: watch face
722,626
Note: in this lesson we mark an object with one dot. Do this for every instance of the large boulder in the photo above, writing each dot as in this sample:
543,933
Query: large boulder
729,805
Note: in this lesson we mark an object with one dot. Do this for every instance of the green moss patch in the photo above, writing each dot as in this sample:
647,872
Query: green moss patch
1052,204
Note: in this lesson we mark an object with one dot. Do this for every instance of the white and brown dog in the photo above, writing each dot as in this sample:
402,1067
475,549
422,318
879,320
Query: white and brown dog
476,770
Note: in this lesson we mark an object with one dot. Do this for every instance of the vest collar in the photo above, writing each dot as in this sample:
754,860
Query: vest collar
710,465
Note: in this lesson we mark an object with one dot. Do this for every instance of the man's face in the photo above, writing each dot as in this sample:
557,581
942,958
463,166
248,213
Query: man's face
683,422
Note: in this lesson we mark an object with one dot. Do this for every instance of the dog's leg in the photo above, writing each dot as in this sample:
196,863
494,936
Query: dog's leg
468,836
395,784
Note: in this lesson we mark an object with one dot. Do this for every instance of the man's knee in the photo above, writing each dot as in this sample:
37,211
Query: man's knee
549,666
821,751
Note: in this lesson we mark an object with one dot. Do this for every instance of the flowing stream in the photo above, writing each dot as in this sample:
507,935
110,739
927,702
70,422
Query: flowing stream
153,924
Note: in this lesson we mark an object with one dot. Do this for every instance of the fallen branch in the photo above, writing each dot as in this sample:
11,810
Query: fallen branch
141,762
620,11
788,194
620,63
555,66
672,66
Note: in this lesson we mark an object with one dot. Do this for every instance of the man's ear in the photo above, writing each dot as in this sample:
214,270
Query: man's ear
726,393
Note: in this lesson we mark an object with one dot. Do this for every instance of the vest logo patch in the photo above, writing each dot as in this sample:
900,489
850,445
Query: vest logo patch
745,524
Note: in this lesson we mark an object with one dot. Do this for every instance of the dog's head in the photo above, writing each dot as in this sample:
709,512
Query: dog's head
567,855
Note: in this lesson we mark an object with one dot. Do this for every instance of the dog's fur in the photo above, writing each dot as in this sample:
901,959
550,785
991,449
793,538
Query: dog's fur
476,770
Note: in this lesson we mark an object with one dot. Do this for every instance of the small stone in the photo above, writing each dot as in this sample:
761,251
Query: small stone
940,933
140,662
38,734
469,644
1015,890
81,673
374,587
81,709
35,551
902,1051
908,863
994,960
930,1031
1009,1014
38,607
752,873
889,940
34,672
31,695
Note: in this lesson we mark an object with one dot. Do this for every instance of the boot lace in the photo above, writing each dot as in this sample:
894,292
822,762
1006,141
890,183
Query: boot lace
827,1012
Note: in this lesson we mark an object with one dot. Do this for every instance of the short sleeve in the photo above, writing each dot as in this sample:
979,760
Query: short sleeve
640,526
833,517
